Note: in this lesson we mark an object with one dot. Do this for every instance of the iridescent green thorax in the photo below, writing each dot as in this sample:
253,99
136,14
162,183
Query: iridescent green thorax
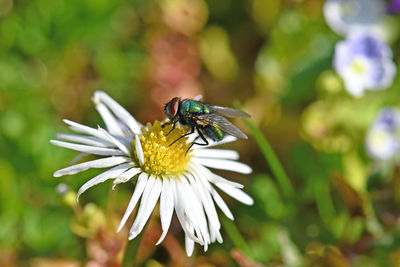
194,107
190,108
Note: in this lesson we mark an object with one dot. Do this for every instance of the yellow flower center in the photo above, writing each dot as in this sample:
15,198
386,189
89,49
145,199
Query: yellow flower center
358,66
160,157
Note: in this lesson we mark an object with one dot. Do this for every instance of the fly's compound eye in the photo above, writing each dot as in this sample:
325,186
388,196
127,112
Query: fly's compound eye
173,108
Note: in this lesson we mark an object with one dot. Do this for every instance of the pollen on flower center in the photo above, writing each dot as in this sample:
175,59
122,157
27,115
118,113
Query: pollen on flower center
160,157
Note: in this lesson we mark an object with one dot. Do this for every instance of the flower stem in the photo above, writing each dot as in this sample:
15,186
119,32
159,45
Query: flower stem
235,235
131,251
272,160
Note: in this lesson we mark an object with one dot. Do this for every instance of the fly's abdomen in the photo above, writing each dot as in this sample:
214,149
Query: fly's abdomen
213,132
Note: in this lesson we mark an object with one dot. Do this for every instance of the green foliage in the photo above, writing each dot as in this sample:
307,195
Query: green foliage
319,198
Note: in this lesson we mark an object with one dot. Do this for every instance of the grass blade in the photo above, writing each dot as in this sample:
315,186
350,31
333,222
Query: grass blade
272,160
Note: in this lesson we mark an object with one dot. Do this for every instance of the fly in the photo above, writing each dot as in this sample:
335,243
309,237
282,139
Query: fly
206,119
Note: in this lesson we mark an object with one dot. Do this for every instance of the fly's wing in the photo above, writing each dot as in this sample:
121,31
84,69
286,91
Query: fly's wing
229,112
198,97
221,123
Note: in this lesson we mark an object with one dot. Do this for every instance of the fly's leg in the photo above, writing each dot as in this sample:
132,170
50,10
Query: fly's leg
194,141
167,123
186,134
202,137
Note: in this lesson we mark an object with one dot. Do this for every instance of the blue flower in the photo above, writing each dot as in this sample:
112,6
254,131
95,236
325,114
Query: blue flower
364,62
343,16
394,6
388,119
382,140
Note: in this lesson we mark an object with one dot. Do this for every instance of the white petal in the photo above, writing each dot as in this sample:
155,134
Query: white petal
117,143
83,139
179,209
126,176
140,185
189,245
216,153
212,214
221,204
89,149
85,129
139,150
78,157
193,190
111,123
98,163
118,110
166,208
221,164
189,209
205,186
210,176
109,174
218,179
149,199
208,205
226,140
236,193
198,211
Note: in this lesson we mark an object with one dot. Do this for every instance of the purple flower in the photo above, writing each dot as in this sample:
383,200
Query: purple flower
394,6
364,62
389,119
343,16
382,140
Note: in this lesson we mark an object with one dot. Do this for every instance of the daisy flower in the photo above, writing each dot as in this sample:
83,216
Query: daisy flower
182,182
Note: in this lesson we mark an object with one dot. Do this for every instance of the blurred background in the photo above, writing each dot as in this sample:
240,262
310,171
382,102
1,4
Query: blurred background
318,78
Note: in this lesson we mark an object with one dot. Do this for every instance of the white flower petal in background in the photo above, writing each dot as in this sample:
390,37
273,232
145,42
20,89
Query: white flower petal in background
364,62
383,137
166,173
345,16
381,144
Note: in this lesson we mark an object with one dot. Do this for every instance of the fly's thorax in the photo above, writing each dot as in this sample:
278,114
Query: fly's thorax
189,109
184,114
184,109
194,107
